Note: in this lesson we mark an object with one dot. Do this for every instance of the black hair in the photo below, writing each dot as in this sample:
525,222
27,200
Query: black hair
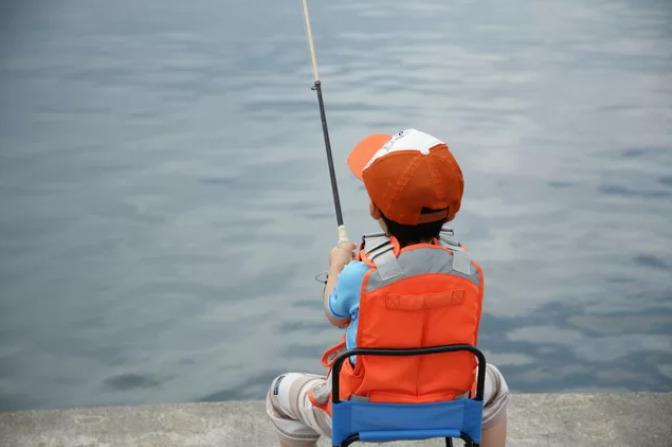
414,234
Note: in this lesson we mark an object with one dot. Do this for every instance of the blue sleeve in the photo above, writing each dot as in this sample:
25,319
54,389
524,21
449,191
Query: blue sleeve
344,299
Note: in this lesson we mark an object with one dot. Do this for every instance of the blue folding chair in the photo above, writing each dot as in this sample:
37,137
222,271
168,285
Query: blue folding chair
382,422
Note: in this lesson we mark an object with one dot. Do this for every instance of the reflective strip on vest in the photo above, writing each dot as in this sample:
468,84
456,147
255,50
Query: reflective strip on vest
425,260
387,266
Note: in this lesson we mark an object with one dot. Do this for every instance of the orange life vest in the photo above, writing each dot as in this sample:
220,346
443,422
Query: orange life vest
418,296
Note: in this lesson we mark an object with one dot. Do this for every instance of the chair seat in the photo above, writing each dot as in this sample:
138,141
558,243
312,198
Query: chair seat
379,422
399,435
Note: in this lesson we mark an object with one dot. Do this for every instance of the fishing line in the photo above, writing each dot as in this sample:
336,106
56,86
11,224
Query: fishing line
317,86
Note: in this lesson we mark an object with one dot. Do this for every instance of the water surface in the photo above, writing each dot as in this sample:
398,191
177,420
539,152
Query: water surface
165,202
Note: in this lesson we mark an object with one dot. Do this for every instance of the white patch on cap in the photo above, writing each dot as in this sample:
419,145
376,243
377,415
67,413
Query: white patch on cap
406,140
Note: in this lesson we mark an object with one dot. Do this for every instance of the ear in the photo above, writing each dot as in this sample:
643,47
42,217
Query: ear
374,211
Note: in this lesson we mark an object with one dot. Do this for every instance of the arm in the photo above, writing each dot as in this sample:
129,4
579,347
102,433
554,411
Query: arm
339,257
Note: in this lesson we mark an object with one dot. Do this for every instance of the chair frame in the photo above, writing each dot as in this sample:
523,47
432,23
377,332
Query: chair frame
480,379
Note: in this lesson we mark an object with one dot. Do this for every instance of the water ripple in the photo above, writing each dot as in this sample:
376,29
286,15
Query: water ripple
166,202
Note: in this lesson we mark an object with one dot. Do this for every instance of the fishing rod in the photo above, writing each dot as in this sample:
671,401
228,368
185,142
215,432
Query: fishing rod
317,86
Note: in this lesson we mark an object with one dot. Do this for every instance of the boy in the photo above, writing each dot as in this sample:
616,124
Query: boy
415,285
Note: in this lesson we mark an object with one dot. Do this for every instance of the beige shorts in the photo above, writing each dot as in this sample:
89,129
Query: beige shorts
299,423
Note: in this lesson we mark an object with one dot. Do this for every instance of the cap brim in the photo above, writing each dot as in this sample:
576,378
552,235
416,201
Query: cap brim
361,154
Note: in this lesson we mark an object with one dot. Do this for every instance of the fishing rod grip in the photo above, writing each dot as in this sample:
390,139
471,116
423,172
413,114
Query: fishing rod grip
342,236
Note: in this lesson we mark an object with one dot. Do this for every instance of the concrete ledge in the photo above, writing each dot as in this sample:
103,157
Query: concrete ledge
539,420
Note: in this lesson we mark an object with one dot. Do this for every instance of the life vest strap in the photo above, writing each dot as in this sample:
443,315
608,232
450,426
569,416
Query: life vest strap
387,265
380,250
448,239
461,262
461,259
418,302
374,242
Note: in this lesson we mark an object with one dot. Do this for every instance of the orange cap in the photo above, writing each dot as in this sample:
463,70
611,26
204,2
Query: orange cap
406,172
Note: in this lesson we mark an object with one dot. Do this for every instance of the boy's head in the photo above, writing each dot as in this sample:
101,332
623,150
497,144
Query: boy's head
411,177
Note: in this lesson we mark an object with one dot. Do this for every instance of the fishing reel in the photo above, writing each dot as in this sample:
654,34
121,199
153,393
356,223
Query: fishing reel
322,277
